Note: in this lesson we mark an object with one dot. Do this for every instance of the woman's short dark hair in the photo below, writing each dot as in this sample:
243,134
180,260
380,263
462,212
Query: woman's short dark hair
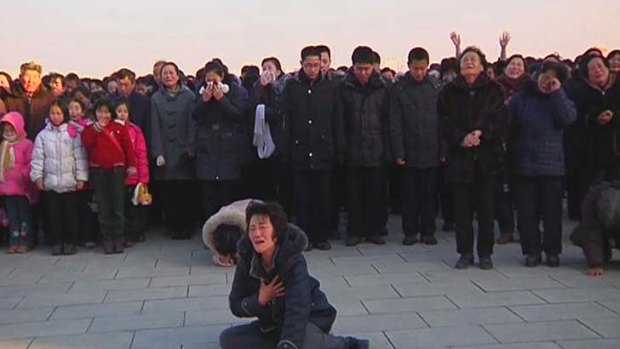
123,101
273,60
612,53
75,100
176,68
225,239
63,107
476,50
273,210
107,103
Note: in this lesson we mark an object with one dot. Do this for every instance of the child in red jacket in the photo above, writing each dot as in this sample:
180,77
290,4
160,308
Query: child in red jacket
111,157
135,214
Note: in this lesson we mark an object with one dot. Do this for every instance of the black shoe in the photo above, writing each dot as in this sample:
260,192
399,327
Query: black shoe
323,246
354,343
129,243
409,240
553,261
118,246
353,241
429,240
376,239
58,250
464,262
486,263
69,249
108,246
448,226
532,260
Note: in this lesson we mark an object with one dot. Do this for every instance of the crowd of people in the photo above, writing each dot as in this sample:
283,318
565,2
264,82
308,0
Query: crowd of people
497,141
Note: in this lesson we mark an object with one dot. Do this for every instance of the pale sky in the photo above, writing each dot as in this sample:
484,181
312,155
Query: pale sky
95,38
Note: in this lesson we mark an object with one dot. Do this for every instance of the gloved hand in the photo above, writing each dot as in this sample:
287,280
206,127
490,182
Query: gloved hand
160,161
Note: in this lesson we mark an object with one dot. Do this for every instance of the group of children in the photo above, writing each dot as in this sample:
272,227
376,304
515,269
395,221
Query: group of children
71,159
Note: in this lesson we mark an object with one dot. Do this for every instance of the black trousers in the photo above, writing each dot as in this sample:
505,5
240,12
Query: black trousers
477,197
269,180
503,204
109,189
540,197
576,182
216,194
337,201
177,205
251,336
419,197
62,212
312,203
367,205
88,227
136,217
446,202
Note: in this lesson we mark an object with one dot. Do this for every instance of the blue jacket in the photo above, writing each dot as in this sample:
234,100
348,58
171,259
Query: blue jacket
536,144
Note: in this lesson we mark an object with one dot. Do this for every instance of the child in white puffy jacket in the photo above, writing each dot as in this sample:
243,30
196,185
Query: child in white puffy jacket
60,169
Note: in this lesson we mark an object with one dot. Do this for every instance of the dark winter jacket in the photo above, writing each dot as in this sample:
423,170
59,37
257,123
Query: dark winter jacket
271,96
309,110
304,301
602,141
414,126
220,132
173,133
35,109
538,120
513,86
363,112
141,113
463,109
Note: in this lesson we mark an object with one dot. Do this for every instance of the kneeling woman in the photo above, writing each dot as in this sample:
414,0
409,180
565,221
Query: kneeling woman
272,284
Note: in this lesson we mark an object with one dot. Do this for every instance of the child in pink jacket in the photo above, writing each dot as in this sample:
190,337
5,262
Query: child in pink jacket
135,215
15,184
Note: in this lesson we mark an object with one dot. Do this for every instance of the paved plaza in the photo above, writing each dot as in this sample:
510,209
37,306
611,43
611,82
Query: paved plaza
165,294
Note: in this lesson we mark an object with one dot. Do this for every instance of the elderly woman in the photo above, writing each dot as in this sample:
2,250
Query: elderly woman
472,116
613,58
513,80
172,132
272,284
598,105
539,115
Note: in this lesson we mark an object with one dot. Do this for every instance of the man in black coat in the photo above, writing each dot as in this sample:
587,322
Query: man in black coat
140,104
31,99
414,135
362,108
308,108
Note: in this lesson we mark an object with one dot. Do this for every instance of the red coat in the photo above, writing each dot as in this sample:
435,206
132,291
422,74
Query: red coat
139,146
103,152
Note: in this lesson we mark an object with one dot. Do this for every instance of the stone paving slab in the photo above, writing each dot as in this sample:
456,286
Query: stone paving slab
461,317
43,328
137,322
440,337
591,344
564,311
15,343
110,340
540,331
